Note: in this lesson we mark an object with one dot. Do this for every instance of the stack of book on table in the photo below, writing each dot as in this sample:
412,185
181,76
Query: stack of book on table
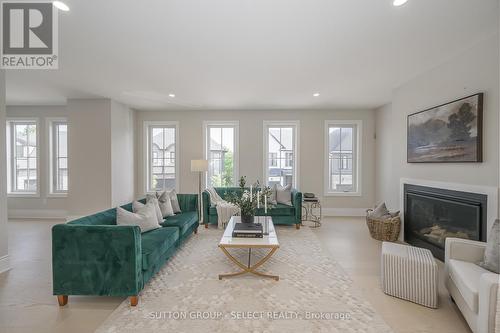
248,230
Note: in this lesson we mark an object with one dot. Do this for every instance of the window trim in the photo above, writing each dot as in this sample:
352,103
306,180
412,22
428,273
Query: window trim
147,152
49,123
236,162
9,141
358,162
296,142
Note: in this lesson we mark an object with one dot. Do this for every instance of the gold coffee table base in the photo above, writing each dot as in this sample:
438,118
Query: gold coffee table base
249,268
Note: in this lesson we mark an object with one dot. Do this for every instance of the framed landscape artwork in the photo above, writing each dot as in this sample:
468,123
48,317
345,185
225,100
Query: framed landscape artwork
449,133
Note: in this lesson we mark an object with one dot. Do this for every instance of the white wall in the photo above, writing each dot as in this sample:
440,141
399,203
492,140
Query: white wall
384,156
43,206
89,155
122,154
100,158
474,70
4,247
311,164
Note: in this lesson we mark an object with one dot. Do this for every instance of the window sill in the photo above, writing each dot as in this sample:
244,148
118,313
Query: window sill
23,195
57,195
342,194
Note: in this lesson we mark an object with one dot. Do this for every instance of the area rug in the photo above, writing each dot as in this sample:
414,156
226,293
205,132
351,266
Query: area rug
314,294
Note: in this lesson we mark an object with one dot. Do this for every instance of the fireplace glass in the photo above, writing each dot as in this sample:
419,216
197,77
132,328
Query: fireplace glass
433,215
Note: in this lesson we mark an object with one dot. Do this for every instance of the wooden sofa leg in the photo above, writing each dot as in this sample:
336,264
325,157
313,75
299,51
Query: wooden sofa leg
195,231
62,300
206,225
297,226
134,300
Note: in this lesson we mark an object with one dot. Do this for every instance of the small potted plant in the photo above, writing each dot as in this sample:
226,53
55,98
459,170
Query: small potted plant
249,200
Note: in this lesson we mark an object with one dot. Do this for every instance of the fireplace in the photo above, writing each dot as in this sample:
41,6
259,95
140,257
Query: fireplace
432,214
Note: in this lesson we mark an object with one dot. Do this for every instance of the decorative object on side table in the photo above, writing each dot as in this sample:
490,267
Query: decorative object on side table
200,166
449,133
312,209
382,224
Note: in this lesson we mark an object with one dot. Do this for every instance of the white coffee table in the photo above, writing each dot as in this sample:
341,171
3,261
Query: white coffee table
267,242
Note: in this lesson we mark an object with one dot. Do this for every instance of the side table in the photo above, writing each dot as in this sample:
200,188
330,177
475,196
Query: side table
311,208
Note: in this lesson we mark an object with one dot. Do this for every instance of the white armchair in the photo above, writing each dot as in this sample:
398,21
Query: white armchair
473,288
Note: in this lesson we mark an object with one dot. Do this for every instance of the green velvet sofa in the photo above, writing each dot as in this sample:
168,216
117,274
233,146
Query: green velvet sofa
94,256
281,214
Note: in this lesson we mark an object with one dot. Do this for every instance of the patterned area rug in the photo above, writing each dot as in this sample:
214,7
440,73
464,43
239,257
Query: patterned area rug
313,294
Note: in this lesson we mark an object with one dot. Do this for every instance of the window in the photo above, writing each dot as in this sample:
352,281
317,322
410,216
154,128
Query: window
161,162
58,155
22,155
221,151
342,143
281,152
273,159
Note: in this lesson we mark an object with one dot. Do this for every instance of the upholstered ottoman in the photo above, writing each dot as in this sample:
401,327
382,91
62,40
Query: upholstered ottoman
409,273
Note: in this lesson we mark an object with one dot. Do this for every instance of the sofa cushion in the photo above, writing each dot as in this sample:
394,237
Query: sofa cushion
145,217
155,243
277,210
182,221
466,276
281,210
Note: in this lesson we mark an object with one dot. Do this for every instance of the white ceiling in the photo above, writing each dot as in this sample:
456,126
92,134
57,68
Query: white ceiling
250,54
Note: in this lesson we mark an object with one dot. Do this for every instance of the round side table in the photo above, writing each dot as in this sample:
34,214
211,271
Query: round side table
311,211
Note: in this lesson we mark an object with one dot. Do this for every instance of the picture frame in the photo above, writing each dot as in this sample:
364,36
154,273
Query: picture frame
447,133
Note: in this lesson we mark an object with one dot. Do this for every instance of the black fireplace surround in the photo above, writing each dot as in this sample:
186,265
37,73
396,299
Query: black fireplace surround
432,214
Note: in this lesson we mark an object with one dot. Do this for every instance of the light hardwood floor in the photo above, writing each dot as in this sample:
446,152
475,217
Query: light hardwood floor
27,304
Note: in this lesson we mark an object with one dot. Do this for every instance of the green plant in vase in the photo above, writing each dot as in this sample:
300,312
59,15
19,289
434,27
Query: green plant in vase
248,201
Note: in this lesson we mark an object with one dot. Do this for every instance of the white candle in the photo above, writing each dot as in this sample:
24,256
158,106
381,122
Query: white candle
258,199
265,204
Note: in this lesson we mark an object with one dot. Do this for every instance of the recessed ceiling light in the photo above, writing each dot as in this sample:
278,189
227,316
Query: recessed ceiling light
398,3
171,95
61,5
316,94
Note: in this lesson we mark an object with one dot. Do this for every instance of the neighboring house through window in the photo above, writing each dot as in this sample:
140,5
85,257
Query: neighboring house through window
58,156
161,163
342,158
22,156
281,152
221,151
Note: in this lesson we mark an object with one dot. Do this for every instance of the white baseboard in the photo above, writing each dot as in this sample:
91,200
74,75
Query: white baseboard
4,264
344,211
37,214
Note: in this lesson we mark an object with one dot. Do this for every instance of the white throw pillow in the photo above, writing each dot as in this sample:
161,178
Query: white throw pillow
380,211
145,217
136,205
272,197
165,205
492,253
162,197
284,194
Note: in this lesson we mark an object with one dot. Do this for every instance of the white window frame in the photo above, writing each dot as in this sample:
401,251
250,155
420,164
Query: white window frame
223,123
147,153
49,130
357,162
296,142
10,158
